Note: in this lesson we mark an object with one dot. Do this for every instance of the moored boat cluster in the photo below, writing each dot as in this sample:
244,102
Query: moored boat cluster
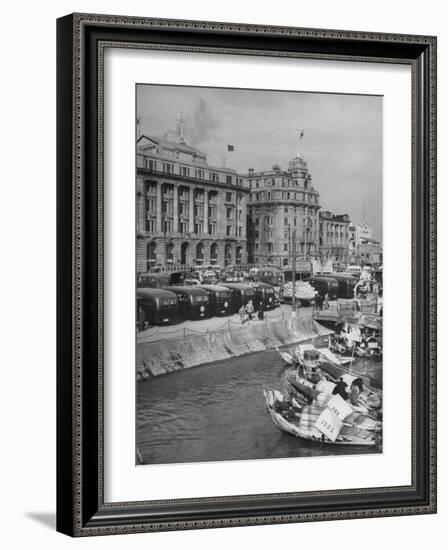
324,400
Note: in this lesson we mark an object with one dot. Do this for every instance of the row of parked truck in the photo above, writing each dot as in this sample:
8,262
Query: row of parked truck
174,304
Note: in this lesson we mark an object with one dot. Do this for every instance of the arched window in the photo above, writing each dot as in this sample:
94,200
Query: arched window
214,254
151,255
169,253
238,255
200,253
228,254
184,253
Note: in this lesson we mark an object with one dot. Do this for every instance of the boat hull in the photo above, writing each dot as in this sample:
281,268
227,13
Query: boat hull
309,433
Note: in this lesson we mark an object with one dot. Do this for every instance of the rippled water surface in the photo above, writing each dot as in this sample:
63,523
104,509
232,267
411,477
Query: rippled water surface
217,412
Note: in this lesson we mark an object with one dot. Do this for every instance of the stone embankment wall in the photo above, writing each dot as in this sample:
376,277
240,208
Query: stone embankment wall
165,356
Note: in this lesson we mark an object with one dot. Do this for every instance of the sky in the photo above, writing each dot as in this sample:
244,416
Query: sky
342,137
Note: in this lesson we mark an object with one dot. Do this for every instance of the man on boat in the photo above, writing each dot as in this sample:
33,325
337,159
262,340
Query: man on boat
341,389
361,397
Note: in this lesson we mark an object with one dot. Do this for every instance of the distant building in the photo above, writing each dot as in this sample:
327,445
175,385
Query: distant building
363,247
282,203
334,236
370,251
188,212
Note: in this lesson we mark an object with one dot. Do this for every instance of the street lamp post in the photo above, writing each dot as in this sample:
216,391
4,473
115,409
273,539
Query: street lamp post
293,303
164,206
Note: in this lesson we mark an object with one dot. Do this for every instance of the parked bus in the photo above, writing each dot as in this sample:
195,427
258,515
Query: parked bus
241,294
193,302
157,306
325,285
152,280
265,293
220,299
270,275
346,284
178,277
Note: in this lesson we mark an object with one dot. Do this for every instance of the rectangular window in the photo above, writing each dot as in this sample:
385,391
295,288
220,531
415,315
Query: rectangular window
150,164
229,180
286,221
150,225
285,247
228,230
199,210
150,205
228,197
228,213
151,187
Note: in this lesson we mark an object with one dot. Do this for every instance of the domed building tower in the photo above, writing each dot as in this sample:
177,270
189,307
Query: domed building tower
282,204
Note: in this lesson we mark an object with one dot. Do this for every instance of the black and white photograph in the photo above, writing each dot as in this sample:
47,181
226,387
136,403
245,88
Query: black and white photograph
258,274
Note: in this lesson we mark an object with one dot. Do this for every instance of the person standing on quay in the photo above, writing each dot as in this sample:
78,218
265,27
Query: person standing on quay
249,310
242,314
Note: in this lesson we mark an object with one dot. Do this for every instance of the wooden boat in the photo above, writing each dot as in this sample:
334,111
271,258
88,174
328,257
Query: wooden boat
333,358
334,370
315,380
307,422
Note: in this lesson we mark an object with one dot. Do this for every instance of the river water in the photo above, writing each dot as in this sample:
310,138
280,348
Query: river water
218,412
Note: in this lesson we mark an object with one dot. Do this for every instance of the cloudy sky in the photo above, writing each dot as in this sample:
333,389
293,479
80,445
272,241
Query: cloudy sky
342,141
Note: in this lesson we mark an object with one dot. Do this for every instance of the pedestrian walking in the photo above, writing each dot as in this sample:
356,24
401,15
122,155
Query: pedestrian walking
243,314
250,310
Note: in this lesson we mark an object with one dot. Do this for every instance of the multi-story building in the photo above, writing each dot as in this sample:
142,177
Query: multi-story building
283,206
363,247
370,251
188,212
334,236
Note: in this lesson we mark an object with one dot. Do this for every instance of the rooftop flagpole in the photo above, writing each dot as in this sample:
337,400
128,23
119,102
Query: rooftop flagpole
301,133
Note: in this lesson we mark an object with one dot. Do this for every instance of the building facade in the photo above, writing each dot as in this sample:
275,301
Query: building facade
363,247
282,207
334,236
370,252
188,212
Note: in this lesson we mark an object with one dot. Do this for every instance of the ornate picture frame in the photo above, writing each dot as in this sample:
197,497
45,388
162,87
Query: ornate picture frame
81,506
